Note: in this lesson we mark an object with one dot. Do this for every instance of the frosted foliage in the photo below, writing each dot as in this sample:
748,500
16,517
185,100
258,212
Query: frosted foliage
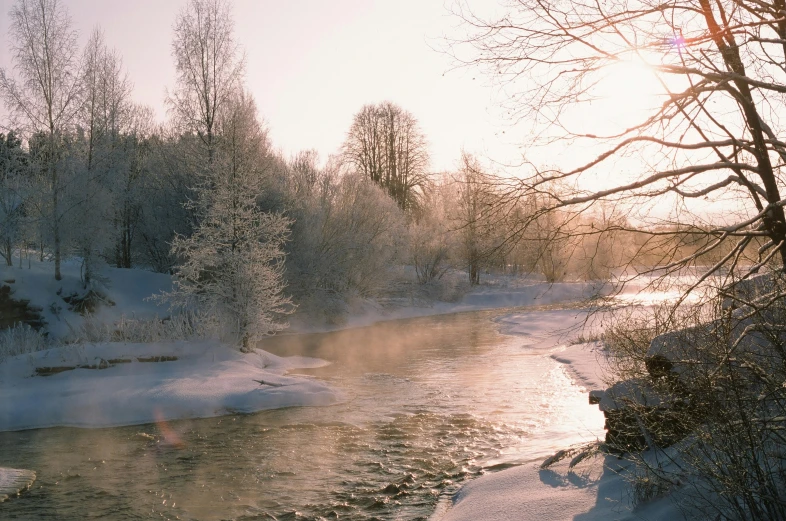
347,233
233,262
21,339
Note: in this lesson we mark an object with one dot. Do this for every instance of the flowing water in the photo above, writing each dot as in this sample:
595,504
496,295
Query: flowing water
429,403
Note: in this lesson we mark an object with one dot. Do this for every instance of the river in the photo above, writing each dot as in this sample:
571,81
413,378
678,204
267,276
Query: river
429,403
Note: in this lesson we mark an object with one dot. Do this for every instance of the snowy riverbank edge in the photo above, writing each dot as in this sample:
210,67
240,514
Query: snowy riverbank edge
596,489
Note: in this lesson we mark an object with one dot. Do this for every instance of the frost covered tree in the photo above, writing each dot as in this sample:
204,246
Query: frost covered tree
45,96
165,164
233,262
102,122
347,233
126,182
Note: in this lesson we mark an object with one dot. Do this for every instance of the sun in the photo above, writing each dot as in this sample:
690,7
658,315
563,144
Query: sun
624,94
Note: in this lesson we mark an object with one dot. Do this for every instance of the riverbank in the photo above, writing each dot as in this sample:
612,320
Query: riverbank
107,384
595,489
79,383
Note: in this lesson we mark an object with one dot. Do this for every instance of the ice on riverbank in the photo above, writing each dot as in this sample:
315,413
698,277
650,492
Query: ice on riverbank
596,489
114,384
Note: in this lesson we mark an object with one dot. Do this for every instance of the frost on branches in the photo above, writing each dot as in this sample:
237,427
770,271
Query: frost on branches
232,265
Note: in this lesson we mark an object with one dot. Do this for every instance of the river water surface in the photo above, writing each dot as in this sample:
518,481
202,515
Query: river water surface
429,403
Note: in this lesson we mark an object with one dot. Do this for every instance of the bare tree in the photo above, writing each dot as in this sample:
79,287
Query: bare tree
209,67
712,132
386,145
477,216
46,96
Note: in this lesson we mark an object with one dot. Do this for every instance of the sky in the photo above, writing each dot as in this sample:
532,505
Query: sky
312,64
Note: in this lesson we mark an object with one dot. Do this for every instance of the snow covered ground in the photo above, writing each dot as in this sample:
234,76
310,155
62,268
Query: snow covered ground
117,383
596,489
146,383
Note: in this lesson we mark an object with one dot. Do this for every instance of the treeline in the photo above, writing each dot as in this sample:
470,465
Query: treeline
87,172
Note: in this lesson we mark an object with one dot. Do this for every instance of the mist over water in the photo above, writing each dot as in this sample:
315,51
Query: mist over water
430,403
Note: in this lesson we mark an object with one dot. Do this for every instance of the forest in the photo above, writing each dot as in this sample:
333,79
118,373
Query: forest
87,173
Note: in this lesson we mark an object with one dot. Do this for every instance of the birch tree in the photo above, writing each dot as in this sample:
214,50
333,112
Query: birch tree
209,67
45,95
233,262
103,119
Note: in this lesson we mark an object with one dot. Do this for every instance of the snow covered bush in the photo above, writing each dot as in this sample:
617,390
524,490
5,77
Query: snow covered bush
721,403
21,339
347,232
186,325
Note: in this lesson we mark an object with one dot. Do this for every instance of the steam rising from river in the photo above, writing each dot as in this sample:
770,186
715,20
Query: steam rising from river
430,403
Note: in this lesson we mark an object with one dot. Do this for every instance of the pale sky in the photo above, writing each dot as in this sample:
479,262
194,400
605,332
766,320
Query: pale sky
312,64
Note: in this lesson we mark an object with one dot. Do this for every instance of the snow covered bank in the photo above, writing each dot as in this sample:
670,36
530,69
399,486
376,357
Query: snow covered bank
585,362
496,293
126,291
595,489
123,384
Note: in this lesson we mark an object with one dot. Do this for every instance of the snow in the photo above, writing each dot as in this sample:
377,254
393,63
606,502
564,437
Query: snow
585,362
596,489
128,289
206,380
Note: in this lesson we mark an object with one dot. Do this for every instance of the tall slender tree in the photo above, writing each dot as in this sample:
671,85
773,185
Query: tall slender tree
46,95
209,67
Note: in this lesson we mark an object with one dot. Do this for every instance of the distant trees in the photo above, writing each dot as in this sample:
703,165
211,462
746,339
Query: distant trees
386,145
14,185
711,133
103,119
347,232
46,96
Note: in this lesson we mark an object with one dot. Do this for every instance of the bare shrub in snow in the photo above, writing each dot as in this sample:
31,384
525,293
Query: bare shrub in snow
718,374
21,339
186,325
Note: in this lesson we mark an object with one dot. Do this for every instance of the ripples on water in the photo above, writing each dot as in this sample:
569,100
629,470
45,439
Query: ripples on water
430,405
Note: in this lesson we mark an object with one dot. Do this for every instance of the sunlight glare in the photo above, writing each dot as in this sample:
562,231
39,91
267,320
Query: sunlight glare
627,92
